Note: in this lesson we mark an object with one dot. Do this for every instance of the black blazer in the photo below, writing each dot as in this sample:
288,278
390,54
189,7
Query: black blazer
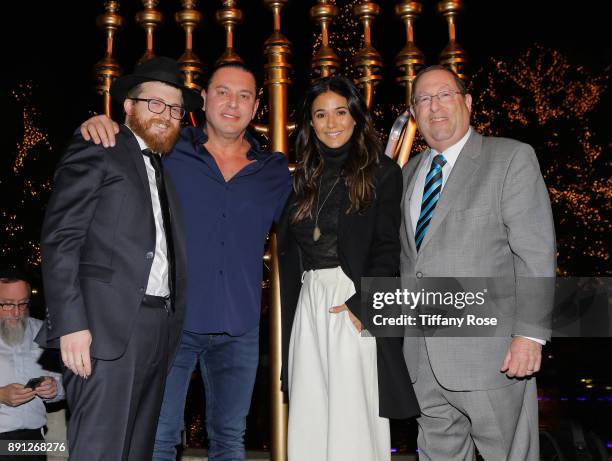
98,242
368,246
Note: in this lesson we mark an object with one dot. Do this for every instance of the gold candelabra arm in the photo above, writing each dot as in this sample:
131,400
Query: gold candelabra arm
149,19
107,69
191,66
229,17
325,62
406,142
410,59
367,60
401,138
263,129
291,127
260,128
453,56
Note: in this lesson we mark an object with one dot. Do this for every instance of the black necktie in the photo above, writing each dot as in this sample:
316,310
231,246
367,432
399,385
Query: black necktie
165,209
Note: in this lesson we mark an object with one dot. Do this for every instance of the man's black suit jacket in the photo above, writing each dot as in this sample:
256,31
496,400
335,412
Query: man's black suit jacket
98,244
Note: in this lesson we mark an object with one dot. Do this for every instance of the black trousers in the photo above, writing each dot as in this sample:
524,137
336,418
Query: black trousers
23,434
113,413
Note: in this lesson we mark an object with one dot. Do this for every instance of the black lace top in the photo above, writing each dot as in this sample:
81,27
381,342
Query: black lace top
324,252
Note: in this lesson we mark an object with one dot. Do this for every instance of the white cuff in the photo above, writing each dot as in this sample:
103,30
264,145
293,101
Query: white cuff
537,340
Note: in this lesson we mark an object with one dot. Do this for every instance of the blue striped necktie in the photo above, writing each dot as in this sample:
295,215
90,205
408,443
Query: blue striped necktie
431,194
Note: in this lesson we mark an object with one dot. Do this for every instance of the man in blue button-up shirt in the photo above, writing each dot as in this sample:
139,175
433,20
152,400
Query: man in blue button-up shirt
230,192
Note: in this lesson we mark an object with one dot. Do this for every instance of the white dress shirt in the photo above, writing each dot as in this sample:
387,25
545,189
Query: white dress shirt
451,154
19,364
158,277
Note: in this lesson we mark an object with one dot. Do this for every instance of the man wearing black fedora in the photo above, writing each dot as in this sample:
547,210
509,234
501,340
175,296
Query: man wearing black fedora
113,262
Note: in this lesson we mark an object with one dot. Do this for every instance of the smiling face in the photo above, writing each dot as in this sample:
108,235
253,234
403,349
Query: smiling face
442,125
331,119
230,102
159,131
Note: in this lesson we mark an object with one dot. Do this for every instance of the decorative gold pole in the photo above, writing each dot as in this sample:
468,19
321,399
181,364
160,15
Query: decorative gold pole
410,59
229,16
108,68
277,50
189,18
453,56
278,409
324,62
149,19
408,62
367,60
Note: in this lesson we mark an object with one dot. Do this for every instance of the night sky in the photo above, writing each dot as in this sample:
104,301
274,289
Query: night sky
55,44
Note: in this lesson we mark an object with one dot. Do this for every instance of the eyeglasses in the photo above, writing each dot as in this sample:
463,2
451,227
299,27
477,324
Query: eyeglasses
22,306
159,107
444,97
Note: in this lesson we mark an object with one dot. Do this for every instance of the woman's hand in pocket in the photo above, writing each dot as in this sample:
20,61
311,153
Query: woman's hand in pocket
344,307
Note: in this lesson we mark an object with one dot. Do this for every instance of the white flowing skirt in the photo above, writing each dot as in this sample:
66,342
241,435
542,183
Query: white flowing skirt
333,381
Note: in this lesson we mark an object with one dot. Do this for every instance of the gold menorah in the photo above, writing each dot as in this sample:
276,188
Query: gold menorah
367,62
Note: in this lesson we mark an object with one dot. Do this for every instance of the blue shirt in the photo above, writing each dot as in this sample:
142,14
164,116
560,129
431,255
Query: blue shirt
226,224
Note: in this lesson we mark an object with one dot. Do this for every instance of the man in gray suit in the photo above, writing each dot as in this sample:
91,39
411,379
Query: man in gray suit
475,206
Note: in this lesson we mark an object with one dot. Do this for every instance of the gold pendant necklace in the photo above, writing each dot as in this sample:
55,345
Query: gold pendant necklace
316,233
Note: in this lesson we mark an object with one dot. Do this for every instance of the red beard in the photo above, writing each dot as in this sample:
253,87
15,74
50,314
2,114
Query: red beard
162,144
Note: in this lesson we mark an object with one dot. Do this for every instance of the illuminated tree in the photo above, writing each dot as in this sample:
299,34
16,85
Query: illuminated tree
25,185
550,103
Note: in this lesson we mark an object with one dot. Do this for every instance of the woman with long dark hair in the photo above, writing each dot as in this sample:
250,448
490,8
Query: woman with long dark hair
341,223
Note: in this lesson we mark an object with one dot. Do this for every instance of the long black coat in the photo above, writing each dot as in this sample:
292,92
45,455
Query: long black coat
368,246
98,244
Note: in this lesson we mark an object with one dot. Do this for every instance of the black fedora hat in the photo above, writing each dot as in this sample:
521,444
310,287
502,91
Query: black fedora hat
157,69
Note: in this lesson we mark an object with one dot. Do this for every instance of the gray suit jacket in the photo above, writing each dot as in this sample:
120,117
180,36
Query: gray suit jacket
493,219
